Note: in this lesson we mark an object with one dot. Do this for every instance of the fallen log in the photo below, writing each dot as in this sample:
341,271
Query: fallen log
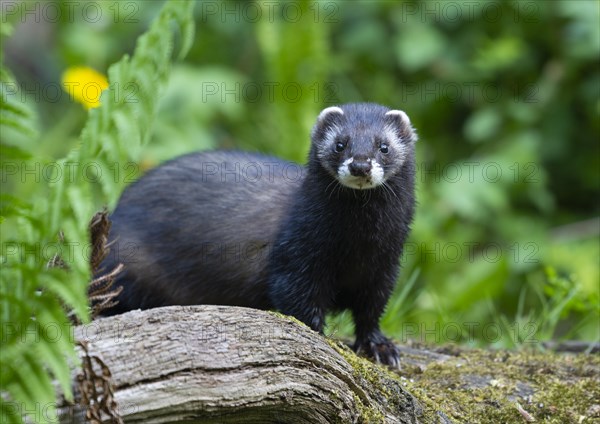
219,364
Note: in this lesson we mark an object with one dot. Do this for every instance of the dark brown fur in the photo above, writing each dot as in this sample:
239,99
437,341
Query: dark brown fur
244,229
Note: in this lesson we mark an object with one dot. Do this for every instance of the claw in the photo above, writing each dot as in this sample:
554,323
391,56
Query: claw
381,352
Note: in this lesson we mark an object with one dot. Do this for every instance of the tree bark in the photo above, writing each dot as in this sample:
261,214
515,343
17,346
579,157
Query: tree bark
218,364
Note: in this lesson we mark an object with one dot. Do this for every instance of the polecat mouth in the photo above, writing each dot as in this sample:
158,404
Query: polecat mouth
358,183
374,177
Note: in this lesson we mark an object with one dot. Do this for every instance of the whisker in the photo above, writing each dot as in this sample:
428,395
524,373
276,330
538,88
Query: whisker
340,188
329,185
367,197
389,189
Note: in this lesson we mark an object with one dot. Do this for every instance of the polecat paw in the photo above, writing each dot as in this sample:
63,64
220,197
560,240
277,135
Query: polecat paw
381,351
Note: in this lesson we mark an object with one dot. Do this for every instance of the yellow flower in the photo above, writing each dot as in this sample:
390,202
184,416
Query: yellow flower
84,85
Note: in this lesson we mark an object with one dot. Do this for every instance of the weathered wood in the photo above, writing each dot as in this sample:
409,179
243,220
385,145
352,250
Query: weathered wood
219,364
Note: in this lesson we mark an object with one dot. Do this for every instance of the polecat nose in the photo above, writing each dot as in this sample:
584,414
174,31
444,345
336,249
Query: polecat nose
359,168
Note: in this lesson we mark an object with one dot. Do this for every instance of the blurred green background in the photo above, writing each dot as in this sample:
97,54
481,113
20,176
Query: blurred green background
505,97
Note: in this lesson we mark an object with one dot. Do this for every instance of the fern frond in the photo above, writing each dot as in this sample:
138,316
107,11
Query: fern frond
33,297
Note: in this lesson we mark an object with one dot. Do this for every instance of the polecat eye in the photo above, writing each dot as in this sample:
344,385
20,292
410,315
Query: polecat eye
339,147
384,148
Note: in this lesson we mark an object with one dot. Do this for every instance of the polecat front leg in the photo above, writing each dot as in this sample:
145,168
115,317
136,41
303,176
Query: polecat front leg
370,341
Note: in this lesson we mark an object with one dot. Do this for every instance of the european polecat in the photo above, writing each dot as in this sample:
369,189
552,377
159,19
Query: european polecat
244,229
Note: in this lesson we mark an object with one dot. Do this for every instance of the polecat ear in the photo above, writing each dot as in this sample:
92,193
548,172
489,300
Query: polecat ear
329,114
325,121
401,122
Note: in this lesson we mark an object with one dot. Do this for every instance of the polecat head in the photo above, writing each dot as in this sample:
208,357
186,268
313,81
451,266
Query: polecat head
363,144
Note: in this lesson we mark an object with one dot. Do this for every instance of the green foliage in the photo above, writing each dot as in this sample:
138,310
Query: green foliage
506,111
35,298
507,155
295,59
